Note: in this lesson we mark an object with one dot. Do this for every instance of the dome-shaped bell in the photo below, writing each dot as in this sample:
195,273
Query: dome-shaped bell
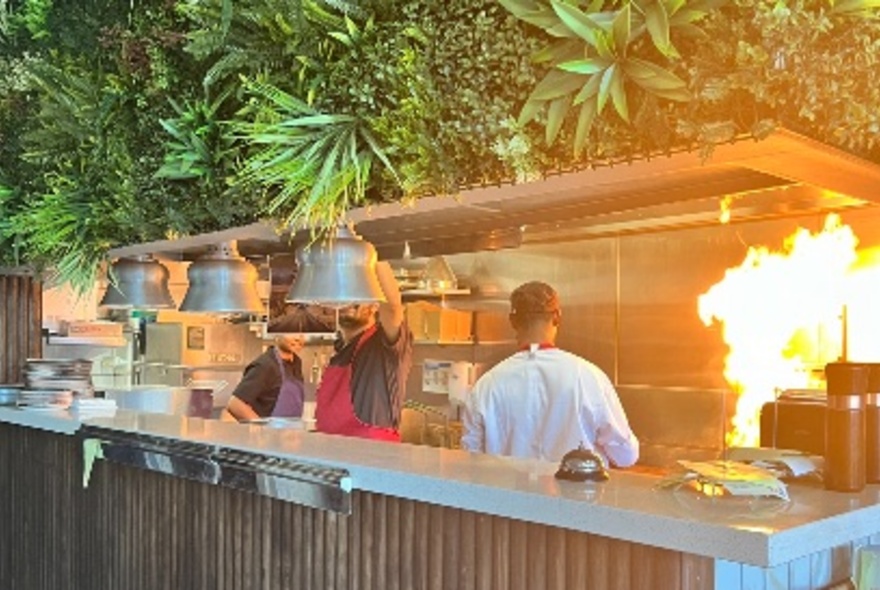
140,282
336,272
582,465
222,282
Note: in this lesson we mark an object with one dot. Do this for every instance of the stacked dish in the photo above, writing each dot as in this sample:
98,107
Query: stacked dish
72,374
53,383
45,399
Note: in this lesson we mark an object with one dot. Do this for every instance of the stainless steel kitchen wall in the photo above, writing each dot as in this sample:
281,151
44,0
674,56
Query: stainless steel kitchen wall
20,322
630,306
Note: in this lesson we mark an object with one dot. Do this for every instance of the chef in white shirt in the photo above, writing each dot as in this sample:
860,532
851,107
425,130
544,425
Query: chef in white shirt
542,402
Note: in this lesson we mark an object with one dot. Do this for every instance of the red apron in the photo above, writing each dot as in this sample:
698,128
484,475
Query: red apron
334,412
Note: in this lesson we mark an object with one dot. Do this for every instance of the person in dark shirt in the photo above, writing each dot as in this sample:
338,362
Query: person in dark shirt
272,384
362,390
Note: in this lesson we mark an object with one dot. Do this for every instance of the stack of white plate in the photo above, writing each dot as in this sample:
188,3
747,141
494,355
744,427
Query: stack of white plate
93,407
45,399
52,384
59,374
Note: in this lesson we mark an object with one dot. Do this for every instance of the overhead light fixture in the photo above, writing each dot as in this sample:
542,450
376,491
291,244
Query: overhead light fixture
138,282
337,271
222,281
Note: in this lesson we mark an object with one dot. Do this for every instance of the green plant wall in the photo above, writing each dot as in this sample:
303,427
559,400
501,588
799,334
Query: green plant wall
127,121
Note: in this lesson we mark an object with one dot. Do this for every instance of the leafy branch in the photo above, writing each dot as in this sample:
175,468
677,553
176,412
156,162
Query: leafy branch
595,57
313,166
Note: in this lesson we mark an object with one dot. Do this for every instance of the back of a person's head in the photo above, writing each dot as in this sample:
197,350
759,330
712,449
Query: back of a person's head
533,302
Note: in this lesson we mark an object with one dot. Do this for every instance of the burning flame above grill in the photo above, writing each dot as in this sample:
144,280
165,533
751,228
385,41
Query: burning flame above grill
782,315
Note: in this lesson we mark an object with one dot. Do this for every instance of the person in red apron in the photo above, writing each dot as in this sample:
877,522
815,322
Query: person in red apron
272,384
363,387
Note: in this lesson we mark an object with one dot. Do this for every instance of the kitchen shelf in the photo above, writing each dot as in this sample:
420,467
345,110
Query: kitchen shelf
86,341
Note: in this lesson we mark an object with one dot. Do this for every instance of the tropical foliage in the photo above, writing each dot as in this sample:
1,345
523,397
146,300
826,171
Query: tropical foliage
127,121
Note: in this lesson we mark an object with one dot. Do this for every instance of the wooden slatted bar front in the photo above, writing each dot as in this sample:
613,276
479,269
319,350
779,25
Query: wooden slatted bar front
142,530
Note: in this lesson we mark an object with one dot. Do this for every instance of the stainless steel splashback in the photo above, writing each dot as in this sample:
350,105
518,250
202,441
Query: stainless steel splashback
181,354
202,345
629,304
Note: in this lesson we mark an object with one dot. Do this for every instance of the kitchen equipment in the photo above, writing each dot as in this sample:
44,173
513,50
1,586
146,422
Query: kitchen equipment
164,399
139,282
9,394
796,421
222,281
845,427
582,465
447,377
338,271
199,354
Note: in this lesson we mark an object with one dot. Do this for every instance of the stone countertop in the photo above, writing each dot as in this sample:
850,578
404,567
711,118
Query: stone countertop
761,532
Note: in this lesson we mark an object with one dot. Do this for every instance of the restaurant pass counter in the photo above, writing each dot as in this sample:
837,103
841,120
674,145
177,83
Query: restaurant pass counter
176,502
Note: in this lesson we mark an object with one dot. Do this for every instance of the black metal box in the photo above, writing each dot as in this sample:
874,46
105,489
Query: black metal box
797,424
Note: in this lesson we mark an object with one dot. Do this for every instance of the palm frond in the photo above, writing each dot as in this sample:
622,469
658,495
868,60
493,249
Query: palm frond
314,165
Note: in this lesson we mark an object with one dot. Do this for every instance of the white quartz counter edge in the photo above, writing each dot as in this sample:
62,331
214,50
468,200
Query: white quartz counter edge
628,507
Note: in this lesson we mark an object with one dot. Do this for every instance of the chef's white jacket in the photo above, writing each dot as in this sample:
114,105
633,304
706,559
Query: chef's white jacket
542,403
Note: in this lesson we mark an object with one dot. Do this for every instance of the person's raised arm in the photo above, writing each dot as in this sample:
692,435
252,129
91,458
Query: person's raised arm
391,311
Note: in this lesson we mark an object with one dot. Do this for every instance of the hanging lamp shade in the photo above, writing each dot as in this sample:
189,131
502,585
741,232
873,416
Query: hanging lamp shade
222,281
140,282
336,272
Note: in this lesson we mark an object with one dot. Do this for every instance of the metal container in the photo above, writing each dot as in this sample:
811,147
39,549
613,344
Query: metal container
845,427
9,394
872,425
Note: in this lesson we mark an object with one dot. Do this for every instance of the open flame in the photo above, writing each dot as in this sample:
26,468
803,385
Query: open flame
781,317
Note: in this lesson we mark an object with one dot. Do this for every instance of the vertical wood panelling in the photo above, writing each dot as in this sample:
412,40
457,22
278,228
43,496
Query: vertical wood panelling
620,566
451,556
435,548
380,543
696,572
518,556
139,530
598,563
467,546
366,542
501,552
21,317
421,554
408,541
576,559
556,556
484,552
536,556
393,548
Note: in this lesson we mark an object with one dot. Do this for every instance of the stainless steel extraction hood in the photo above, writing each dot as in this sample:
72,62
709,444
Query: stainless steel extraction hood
783,175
